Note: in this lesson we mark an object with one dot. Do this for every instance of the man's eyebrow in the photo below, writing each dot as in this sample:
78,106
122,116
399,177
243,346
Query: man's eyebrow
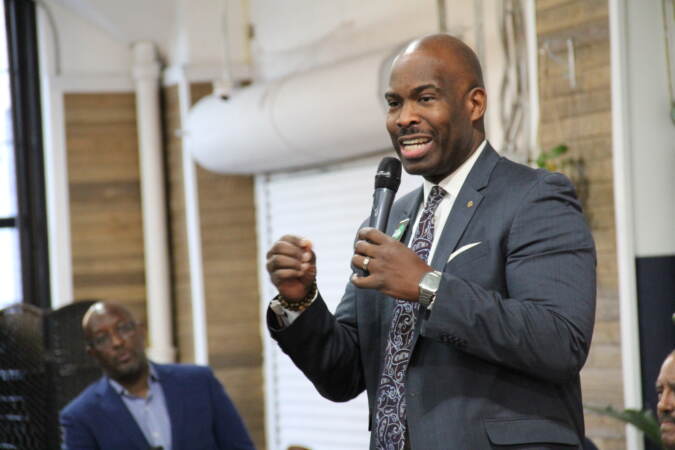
424,87
415,91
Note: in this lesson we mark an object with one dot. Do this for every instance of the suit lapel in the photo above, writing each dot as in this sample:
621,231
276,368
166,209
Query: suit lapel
467,202
119,416
174,401
408,210
463,209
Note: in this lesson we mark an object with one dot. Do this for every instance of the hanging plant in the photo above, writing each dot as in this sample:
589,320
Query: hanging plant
555,160
550,159
644,421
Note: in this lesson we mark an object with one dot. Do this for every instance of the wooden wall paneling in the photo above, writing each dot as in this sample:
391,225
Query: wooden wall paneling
107,238
581,118
229,251
105,202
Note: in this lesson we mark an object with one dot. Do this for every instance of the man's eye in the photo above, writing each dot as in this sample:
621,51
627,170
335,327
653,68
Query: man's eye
393,103
426,98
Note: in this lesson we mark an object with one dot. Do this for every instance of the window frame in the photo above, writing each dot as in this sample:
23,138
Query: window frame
31,218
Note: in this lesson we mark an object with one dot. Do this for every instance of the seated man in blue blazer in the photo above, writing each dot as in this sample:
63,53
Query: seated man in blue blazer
143,405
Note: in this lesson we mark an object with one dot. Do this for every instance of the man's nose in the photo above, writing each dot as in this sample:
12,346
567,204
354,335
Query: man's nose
115,339
666,404
407,116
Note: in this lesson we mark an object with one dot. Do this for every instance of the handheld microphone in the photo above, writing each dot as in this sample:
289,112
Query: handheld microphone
387,181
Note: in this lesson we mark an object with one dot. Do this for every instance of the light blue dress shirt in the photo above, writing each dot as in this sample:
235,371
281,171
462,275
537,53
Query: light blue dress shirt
150,413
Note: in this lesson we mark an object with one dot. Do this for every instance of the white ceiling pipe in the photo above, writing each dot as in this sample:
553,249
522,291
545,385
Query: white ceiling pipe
323,115
146,72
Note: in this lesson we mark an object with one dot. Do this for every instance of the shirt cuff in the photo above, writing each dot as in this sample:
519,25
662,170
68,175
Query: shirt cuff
285,316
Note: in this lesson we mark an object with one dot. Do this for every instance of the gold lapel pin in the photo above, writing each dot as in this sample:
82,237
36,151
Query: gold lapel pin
469,204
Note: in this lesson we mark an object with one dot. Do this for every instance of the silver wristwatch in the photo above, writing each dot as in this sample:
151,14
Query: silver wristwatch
428,287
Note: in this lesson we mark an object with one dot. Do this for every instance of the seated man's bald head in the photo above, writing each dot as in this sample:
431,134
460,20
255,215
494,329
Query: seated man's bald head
102,308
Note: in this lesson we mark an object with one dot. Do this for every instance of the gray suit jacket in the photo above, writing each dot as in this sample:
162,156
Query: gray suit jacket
496,361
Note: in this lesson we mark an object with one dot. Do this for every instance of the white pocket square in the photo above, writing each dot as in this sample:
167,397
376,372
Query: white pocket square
462,249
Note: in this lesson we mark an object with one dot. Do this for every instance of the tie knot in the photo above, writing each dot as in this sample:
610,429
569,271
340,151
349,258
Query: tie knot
435,196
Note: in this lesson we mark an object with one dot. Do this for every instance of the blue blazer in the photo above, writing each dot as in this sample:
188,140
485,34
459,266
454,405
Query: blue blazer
202,415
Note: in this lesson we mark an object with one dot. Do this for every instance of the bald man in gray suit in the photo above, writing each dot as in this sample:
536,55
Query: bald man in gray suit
470,330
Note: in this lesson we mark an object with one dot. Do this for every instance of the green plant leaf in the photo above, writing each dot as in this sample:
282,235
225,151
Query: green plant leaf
558,150
642,420
547,155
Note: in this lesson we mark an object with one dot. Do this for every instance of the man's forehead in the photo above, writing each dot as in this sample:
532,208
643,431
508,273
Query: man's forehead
411,47
667,373
418,70
419,59
101,314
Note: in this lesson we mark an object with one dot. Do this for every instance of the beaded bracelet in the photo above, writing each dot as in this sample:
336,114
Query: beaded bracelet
298,305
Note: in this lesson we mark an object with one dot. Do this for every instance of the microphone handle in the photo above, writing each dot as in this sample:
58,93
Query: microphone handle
379,215
383,198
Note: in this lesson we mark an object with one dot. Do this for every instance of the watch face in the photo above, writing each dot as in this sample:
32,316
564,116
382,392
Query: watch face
428,287
430,281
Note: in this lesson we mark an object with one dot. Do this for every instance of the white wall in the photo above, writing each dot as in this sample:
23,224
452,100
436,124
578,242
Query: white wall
200,33
82,48
652,133
296,35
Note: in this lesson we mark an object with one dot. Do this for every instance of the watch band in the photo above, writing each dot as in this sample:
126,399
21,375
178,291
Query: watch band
428,286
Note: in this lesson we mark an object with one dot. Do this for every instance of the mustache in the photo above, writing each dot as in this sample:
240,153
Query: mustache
408,130
667,418
413,129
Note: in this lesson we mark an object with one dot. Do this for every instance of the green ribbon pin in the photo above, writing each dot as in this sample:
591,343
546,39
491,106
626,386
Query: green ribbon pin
400,229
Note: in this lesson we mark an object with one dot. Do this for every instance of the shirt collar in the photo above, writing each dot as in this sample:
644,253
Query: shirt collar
152,378
453,182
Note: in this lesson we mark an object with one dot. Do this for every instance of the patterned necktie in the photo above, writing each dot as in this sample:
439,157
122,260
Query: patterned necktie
390,415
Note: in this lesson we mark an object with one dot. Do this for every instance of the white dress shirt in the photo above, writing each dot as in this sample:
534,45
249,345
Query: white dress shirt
452,185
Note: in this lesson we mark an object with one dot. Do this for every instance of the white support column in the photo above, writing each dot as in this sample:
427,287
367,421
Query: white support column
530,11
146,74
625,227
272,433
194,236
56,168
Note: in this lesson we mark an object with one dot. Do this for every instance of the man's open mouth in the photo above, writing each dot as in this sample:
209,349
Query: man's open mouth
414,146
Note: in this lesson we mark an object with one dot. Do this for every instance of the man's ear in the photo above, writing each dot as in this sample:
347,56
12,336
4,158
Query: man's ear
90,350
477,103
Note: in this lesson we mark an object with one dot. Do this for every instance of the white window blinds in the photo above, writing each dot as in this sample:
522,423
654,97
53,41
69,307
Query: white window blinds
325,205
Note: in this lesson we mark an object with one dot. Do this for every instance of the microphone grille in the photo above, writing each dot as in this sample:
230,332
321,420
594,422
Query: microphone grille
388,174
